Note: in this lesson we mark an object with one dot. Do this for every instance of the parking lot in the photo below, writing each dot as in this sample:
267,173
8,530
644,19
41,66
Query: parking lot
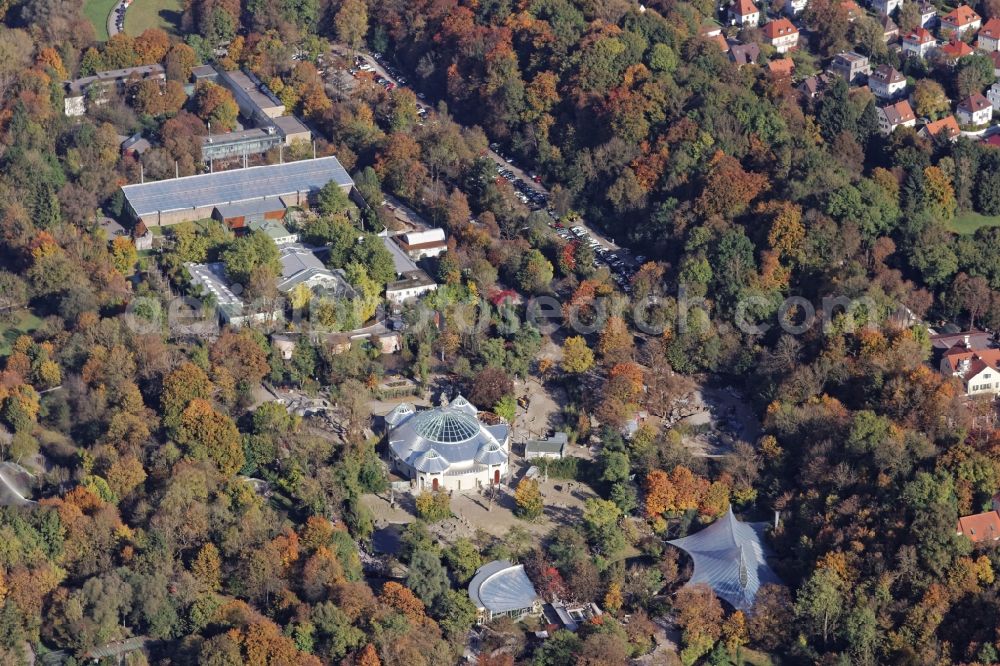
527,186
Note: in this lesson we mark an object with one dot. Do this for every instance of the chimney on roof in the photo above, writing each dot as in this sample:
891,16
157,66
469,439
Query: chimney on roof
965,339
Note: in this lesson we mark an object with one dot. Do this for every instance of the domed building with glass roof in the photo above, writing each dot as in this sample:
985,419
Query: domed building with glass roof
448,447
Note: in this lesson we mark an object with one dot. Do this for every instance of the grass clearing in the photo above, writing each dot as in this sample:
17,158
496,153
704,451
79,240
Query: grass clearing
97,12
968,222
164,14
23,321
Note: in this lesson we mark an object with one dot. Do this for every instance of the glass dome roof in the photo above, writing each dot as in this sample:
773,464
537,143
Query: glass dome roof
446,426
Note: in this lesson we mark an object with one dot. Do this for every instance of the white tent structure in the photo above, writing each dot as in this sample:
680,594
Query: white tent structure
729,557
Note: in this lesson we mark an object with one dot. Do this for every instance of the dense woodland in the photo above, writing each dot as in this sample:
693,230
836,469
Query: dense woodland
731,182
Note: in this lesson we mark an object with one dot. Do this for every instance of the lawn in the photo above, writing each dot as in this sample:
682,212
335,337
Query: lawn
97,12
968,222
23,322
165,14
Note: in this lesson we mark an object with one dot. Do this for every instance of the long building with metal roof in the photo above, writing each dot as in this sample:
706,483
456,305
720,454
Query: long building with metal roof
166,202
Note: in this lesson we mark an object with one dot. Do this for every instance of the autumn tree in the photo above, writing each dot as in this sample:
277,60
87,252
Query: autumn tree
204,434
188,382
351,22
528,499
577,355
616,342
700,616
216,106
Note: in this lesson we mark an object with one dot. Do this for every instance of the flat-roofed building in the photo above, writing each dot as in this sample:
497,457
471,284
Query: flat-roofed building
252,96
552,447
251,141
95,87
242,215
167,202
231,309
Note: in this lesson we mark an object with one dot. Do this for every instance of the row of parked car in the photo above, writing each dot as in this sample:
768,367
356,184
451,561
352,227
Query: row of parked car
622,269
527,194
120,15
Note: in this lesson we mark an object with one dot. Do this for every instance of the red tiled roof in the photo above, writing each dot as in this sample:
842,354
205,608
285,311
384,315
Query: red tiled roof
978,360
745,7
955,48
779,28
781,66
991,28
721,41
980,527
919,35
961,16
947,125
898,113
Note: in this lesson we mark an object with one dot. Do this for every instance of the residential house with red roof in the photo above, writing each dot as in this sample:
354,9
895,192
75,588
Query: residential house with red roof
781,68
980,527
974,110
781,34
744,12
988,38
946,128
918,42
895,115
954,49
960,20
977,369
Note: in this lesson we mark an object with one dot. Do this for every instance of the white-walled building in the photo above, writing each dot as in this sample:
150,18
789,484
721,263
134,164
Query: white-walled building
974,110
988,38
993,95
448,447
744,13
918,42
887,83
896,115
781,34
978,370
960,20
420,244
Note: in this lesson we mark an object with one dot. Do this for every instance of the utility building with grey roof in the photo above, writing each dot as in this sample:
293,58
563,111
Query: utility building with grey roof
167,202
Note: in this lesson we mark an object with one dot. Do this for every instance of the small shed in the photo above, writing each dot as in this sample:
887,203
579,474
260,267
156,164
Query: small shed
551,447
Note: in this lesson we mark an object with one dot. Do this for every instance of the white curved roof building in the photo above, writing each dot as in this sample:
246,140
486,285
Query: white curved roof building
447,447
729,557
501,588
